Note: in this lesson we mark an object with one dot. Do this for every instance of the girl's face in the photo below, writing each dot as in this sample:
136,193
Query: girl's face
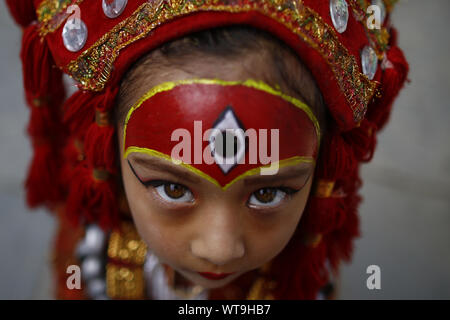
197,227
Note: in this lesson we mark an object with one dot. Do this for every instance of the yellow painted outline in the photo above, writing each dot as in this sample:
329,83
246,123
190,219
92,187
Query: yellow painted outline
255,84
281,164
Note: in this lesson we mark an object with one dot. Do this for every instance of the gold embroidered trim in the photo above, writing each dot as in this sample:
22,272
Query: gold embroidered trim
92,69
52,13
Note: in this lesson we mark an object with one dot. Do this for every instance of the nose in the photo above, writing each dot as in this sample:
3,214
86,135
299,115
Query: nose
220,239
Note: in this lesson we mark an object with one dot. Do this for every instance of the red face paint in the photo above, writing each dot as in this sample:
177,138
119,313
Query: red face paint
259,125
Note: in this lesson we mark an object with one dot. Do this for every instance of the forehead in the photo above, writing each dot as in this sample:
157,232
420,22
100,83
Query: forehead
185,122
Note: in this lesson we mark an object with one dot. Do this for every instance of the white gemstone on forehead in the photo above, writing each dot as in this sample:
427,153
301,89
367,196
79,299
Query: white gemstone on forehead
74,34
227,142
369,62
339,14
113,8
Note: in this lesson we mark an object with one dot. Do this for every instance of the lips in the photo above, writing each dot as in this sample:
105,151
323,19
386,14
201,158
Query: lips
214,276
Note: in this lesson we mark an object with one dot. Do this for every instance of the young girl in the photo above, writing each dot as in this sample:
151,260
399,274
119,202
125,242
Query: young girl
213,147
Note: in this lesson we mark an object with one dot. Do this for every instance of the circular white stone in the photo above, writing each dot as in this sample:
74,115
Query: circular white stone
382,7
113,8
339,14
91,267
74,34
96,288
92,243
369,62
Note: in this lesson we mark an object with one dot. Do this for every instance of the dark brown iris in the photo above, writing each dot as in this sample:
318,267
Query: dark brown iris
174,190
266,195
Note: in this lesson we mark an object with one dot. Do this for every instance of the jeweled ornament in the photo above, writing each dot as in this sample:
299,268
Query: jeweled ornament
339,14
74,34
113,8
369,62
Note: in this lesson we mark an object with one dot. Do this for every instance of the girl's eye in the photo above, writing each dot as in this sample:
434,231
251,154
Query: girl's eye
269,197
172,192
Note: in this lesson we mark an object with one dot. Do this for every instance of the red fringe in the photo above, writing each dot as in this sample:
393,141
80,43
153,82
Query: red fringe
23,11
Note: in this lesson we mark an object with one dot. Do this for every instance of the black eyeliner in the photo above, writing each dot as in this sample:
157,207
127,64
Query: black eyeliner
289,191
134,172
153,183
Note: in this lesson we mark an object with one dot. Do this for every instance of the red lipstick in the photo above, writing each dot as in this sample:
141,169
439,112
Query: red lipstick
214,276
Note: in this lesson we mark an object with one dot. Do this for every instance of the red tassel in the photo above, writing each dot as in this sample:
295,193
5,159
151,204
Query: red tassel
300,271
42,79
91,199
79,112
393,79
72,155
100,140
323,215
362,140
336,159
40,182
340,241
23,11
100,147
44,93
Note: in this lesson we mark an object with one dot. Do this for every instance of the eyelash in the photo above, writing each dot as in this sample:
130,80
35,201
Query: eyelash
158,183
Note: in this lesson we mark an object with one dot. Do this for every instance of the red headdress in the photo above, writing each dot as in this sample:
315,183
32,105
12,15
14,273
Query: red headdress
359,71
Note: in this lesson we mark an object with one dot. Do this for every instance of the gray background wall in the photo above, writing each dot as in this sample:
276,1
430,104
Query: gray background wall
405,215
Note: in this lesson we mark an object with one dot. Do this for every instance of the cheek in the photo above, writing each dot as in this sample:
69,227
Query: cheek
268,237
162,236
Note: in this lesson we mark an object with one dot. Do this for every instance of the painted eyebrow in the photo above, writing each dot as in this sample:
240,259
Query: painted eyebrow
292,173
161,166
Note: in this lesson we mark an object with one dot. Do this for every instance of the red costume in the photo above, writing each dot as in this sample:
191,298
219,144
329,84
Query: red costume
74,171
